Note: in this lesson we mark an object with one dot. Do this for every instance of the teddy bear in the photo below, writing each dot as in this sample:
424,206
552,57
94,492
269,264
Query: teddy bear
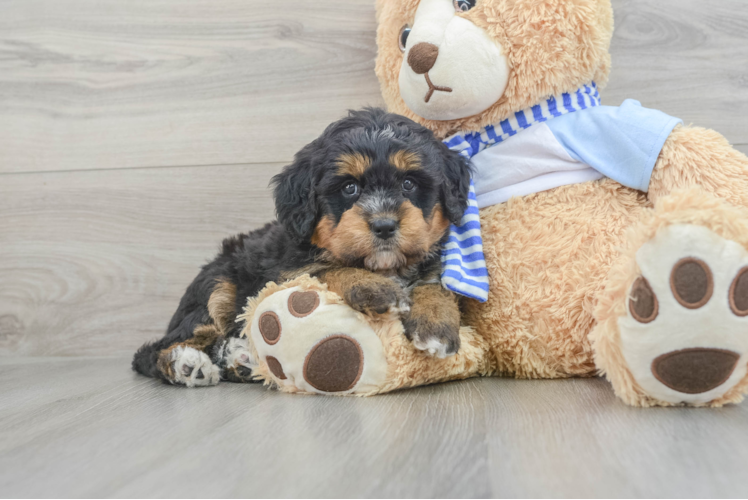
603,240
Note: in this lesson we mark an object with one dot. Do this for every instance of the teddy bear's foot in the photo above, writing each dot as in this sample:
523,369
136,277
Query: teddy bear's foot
683,338
308,340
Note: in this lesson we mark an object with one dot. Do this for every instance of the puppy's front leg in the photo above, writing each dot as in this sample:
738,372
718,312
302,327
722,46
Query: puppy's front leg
433,323
365,291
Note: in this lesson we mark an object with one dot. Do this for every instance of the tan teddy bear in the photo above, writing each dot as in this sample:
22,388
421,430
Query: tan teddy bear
615,238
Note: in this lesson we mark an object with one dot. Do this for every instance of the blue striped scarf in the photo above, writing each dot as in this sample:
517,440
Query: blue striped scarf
463,263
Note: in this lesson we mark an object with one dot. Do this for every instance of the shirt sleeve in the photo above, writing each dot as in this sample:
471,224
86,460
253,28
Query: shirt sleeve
622,143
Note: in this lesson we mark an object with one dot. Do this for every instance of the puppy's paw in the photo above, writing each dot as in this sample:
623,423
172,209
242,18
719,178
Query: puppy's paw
437,339
190,367
237,361
377,297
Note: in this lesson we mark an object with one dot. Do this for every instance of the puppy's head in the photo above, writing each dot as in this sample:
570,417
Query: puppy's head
375,190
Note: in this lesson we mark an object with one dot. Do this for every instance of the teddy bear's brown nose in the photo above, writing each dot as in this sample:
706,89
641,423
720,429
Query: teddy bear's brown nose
422,57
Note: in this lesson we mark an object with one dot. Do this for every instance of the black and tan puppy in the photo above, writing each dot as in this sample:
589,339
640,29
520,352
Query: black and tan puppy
364,208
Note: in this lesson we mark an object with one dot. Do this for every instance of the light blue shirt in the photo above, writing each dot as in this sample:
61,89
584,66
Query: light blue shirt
622,143
567,139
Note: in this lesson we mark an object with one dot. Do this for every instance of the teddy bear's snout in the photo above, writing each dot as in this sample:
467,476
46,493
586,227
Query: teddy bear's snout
422,57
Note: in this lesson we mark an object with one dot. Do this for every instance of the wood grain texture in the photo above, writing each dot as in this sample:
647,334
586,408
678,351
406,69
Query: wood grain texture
93,258
164,83
685,57
91,84
95,262
66,433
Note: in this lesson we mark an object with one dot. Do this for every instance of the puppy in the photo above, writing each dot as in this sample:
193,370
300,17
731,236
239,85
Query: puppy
364,208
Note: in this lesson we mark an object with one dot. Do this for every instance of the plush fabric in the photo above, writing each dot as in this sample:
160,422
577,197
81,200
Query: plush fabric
296,360
551,46
564,272
647,288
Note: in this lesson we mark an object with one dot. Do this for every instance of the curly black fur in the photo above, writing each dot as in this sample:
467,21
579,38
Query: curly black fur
307,190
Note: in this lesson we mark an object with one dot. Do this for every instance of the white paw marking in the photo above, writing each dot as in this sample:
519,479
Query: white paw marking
194,368
237,353
675,327
432,346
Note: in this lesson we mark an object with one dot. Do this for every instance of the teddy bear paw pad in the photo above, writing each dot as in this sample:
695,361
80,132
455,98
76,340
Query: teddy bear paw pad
685,335
311,343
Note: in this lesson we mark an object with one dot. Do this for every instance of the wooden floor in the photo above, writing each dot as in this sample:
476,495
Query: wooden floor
135,134
87,427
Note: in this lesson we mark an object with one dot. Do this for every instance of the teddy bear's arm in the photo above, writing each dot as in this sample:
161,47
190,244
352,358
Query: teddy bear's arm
695,156
365,291
433,322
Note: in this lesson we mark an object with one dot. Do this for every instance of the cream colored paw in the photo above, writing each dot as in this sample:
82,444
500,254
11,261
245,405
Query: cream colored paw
685,334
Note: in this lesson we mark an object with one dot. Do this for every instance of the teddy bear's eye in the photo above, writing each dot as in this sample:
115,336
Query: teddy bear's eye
464,5
402,38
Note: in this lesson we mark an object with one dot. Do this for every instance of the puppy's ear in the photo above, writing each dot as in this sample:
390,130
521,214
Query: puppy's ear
454,189
295,198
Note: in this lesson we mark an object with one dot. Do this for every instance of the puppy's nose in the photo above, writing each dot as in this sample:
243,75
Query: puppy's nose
384,228
422,57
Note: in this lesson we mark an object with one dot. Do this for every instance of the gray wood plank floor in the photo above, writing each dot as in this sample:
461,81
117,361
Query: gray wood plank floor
134,135
88,427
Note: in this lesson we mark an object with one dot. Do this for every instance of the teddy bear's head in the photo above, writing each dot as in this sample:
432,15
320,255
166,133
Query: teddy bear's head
463,64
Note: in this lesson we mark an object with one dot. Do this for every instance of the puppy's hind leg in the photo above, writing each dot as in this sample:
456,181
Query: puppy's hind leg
187,363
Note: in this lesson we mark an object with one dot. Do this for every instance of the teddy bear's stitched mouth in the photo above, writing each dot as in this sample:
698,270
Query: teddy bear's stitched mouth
433,88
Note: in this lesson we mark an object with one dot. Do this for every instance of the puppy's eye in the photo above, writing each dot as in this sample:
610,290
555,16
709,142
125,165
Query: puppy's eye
402,38
350,189
464,5
408,186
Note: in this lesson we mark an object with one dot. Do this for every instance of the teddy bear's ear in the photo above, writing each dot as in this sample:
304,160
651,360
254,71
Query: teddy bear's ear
454,189
295,197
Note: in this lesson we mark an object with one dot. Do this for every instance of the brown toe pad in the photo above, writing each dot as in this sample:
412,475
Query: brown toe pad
302,304
739,293
643,303
275,367
691,282
270,327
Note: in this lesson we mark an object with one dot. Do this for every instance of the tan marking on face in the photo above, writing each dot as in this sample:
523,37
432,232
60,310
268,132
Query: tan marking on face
405,161
221,304
353,164
351,236
418,234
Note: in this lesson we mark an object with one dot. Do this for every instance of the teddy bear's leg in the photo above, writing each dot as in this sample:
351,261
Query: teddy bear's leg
305,338
673,319
694,156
